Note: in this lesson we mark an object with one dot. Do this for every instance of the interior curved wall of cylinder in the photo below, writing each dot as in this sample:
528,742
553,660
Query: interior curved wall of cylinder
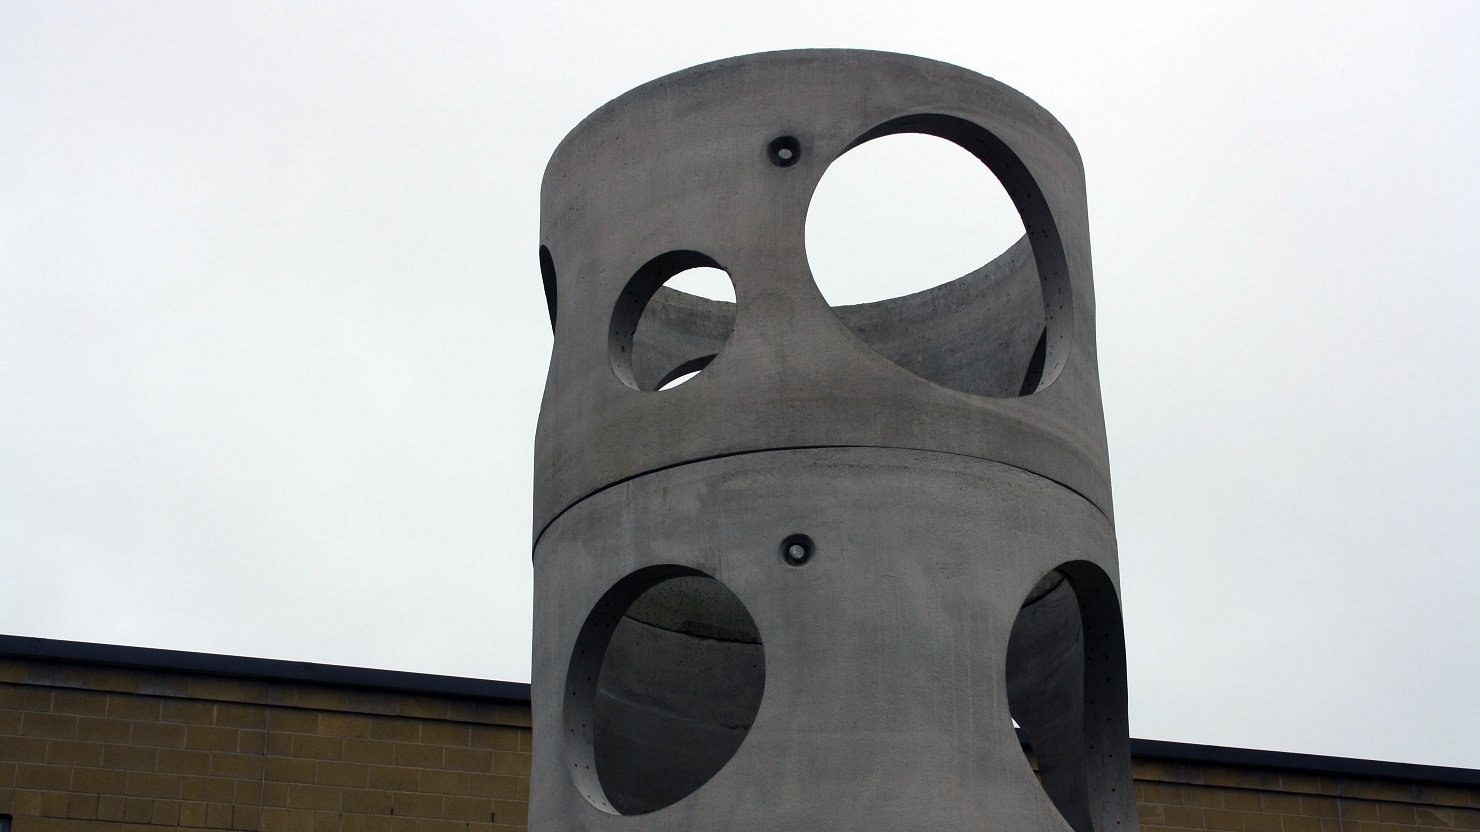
815,585
981,333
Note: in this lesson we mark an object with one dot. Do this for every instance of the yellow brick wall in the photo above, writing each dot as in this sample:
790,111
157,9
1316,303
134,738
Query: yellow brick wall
1177,796
84,748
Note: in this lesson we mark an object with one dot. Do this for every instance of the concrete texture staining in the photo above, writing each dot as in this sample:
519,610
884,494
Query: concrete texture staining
813,587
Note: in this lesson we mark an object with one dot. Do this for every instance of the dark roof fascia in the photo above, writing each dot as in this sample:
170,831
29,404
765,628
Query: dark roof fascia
272,670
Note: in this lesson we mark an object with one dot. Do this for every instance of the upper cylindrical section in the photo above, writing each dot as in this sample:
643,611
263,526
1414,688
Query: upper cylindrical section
689,170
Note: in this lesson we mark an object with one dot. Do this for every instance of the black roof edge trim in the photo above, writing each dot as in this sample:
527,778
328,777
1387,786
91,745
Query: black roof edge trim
272,670
1184,752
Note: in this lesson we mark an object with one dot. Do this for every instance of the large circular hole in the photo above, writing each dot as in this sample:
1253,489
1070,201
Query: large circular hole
902,214
1066,693
1045,683
674,317
923,254
664,686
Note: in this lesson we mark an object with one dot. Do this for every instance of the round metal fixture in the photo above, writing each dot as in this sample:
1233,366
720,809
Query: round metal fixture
784,151
796,549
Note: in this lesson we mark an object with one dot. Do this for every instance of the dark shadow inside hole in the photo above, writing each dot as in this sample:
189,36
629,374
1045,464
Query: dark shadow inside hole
1034,374
547,274
678,689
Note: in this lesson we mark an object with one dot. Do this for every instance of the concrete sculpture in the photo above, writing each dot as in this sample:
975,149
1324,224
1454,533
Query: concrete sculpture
813,587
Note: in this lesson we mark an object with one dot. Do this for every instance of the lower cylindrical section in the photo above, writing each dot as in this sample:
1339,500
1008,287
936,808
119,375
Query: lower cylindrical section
819,640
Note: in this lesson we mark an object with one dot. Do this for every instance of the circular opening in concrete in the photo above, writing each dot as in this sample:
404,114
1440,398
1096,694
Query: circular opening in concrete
902,214
1066,692
1045,673
673,318
918,236
663,687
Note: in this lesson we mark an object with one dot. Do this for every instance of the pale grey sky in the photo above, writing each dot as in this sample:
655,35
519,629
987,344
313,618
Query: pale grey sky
272,338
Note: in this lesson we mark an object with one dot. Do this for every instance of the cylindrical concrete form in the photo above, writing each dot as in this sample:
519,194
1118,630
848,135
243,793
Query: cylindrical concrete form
813,587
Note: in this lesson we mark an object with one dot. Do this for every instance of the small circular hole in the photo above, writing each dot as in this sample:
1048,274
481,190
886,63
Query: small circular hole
797,549
784,151
675,315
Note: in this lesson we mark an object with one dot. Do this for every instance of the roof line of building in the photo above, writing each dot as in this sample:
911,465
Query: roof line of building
246,667
279,670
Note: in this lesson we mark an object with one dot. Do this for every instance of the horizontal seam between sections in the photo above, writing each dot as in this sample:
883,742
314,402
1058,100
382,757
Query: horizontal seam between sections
1076,492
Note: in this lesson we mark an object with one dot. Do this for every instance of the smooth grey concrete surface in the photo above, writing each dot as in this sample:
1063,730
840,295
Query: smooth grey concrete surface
939,459
678,169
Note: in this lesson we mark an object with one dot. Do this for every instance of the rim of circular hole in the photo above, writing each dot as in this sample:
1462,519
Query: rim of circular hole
633,302
583,675
1033,210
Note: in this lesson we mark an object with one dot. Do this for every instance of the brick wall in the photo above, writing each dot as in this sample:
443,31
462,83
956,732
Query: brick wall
86,746
1177,795
92,748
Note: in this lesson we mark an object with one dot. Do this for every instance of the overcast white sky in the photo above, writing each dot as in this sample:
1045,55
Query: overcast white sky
272,339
